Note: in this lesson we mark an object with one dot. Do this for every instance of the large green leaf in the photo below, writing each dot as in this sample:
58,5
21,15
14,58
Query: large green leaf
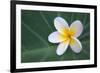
35,28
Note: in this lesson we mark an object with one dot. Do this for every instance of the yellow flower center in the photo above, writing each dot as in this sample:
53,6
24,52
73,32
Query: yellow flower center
67,34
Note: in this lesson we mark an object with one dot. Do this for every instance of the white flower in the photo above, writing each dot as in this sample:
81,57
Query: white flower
66,35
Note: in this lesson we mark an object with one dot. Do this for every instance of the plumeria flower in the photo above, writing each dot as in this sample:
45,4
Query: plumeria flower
66,35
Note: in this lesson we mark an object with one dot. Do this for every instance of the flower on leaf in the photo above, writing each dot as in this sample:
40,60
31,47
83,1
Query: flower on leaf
66,35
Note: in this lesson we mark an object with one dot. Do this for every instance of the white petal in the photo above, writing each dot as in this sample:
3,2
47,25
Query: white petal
75,45
62,47
55,37
60,24
76,27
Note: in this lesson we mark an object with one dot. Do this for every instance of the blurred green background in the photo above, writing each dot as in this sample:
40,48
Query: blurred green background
35,29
